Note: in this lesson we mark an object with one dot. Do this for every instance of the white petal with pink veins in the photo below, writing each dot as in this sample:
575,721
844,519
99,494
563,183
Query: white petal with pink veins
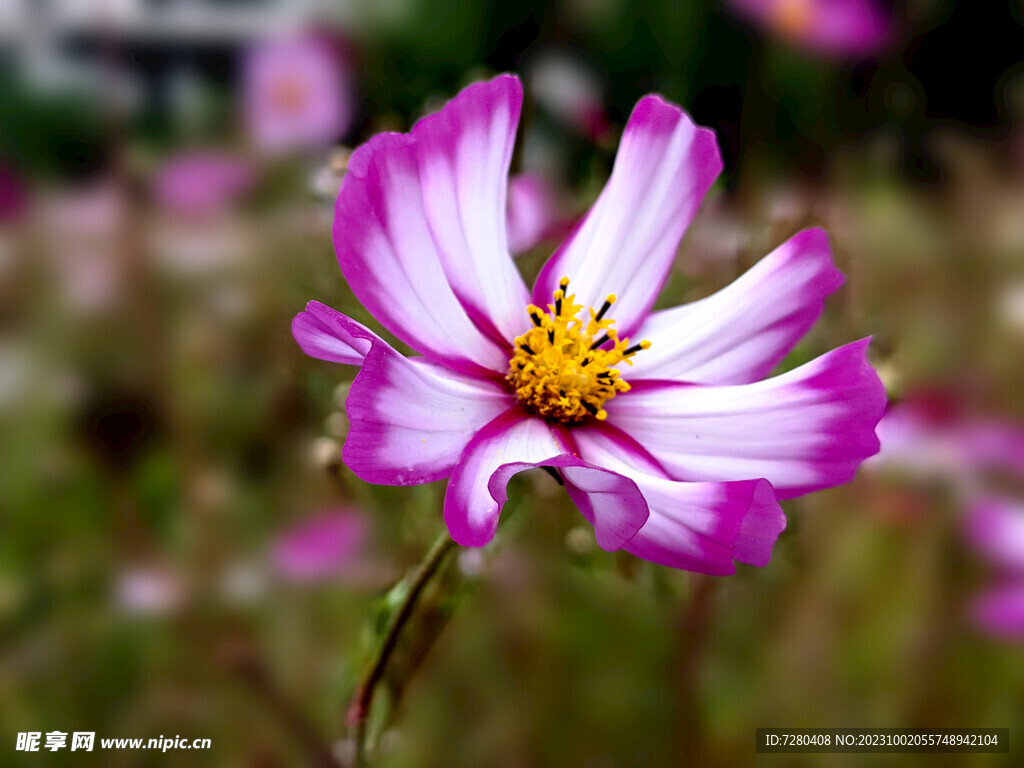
626,243
741,333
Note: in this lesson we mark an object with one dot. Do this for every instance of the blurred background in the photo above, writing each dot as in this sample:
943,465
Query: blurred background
182,551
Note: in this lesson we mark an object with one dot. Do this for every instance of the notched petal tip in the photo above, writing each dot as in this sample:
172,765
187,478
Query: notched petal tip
481,96
854,385
664,166
656,114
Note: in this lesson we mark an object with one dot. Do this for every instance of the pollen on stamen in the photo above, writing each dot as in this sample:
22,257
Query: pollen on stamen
636,348
605,307
562,368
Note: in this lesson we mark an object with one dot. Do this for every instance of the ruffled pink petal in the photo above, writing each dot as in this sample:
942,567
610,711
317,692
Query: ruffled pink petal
515,442
326,334
610,501
389,258
628,240
470,511
530,213
464,155
1001,611
996,528
741,333
805,430
410,419
702,527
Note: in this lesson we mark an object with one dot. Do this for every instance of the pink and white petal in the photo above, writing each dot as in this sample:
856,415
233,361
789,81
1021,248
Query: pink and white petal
626,243
515,442
609,501
740,520
389,258
995,527
530,212
470,510
741,333
464,155
1001,611
702,527
327,334
410,419
805,430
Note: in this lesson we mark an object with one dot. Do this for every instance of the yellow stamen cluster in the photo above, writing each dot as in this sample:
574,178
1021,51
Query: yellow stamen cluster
562,368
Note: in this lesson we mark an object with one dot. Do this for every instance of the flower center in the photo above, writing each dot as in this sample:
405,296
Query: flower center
793,17
562,367
289,94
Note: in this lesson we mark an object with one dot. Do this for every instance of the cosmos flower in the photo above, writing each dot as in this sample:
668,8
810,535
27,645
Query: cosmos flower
836,28
673,446
930,436
320,547
201,183
995,526
149,589
82,232
296,94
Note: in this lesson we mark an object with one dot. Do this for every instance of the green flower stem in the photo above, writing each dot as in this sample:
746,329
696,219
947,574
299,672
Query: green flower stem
359,710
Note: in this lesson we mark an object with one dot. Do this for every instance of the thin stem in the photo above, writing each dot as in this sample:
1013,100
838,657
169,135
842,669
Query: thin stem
693,626
359,709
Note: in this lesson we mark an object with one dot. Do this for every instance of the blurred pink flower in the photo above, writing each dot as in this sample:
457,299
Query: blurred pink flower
929,435
532,213
296,94
149,589
83,230
201,183
684,465
1000,611
995,526
13,196
320,547
206,246
835,28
